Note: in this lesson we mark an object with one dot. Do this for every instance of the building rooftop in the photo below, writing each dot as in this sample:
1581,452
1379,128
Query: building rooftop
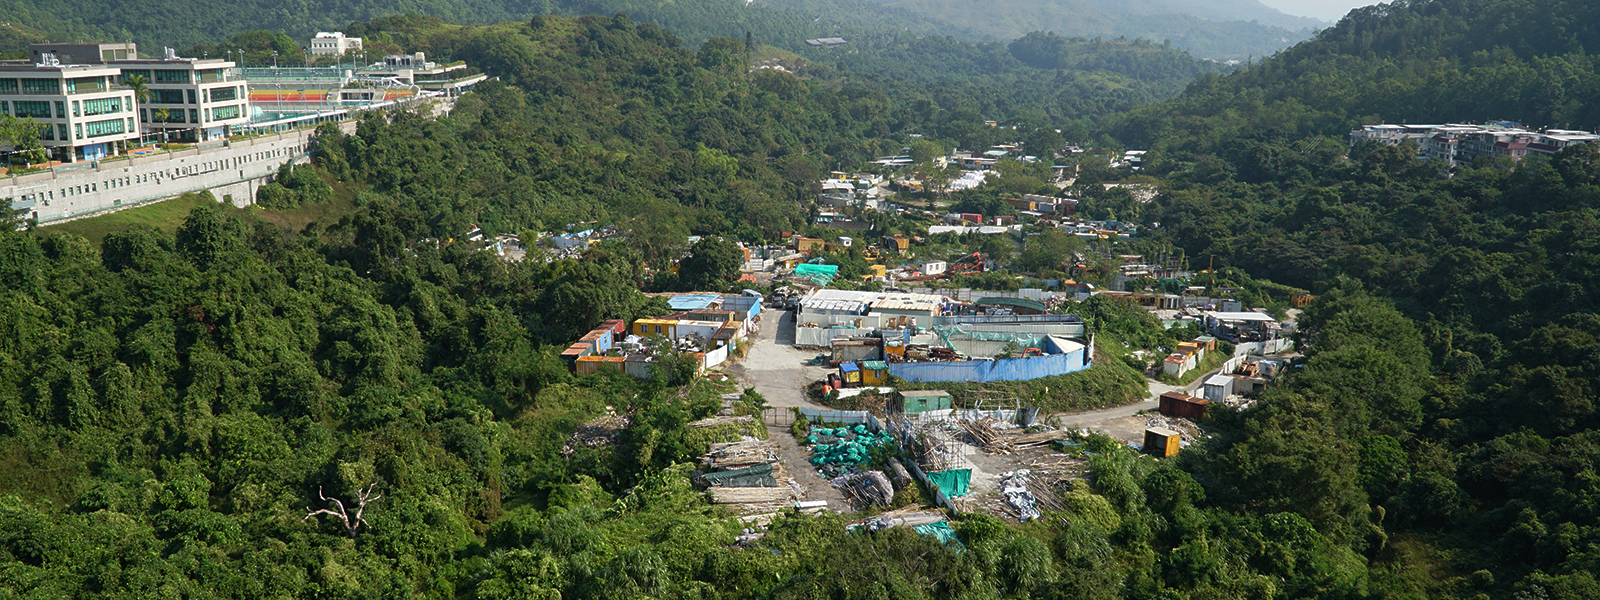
1240,316
838,300
909,302
1014,302
693,301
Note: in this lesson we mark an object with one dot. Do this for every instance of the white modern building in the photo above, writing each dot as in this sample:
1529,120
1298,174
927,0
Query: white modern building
202,99
85,113
415,69
334,44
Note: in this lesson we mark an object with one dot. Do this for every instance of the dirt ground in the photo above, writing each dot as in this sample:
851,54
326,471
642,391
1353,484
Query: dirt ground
1043,462
780,372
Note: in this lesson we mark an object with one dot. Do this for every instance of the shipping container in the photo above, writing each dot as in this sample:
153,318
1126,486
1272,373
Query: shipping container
600,338
918,401
639,366
617,327
661,327
590,365
1174,404
1161,442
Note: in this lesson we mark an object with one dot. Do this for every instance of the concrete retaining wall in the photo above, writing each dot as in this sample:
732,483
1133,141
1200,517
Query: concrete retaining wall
233,170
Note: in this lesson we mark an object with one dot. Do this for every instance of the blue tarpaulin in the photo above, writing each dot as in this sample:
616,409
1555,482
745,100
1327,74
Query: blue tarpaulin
1016,369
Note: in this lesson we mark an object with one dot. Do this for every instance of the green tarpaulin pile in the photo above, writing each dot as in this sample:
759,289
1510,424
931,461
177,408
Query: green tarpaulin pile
844,445
942,530
818,274
756,476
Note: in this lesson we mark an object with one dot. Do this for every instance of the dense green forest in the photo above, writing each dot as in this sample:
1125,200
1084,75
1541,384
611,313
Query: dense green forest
1202,30
599,118
1412,61
1228,30
1470,429
174,405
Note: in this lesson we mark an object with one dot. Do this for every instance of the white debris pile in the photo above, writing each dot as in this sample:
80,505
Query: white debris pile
1014,486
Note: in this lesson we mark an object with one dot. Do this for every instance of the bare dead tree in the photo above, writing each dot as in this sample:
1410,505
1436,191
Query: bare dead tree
351,522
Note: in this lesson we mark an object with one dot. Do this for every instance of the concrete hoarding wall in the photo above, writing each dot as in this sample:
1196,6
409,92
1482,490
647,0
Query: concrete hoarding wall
845,417
1232,365
1017,369
1262,348
1018,417
716,357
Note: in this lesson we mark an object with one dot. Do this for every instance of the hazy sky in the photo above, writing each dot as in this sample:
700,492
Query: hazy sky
1327,10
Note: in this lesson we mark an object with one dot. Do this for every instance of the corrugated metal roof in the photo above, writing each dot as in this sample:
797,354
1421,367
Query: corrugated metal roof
1016,302
1240,316
845,301
692,301
908,302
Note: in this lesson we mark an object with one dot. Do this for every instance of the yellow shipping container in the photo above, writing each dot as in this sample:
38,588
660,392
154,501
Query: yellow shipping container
1161,442
662,327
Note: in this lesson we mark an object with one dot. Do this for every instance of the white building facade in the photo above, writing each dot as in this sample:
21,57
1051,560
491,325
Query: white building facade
334,44
202,99
85,113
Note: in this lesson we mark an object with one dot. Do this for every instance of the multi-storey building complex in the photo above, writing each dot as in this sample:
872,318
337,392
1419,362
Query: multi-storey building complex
191,99
416,69
85,113
1456,144
334,43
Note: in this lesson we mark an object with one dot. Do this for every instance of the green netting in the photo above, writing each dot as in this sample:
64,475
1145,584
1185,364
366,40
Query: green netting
953,482
1025,340
818,274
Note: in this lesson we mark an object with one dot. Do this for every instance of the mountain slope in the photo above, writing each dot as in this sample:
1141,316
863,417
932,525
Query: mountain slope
1220,31
1215,10
1414,61
1480,471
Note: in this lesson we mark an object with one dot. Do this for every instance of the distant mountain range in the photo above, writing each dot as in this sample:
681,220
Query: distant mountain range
1219,29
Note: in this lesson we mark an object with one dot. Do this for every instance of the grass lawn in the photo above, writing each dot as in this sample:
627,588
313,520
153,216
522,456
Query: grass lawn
167,215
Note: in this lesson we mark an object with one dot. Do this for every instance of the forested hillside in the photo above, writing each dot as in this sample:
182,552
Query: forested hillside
1465,431
172,406
1412,61
598,118
1210,32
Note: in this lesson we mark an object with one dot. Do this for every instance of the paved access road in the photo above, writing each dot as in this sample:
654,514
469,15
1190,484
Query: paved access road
780,372
777,369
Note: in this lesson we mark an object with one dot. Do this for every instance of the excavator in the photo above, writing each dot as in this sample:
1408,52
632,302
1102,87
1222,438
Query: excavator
967,265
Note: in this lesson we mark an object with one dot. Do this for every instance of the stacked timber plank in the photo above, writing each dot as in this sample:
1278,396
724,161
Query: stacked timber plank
1028,440
739,455
718,421
983,434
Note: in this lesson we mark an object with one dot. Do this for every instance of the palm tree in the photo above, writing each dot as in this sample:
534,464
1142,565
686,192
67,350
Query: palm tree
141,95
